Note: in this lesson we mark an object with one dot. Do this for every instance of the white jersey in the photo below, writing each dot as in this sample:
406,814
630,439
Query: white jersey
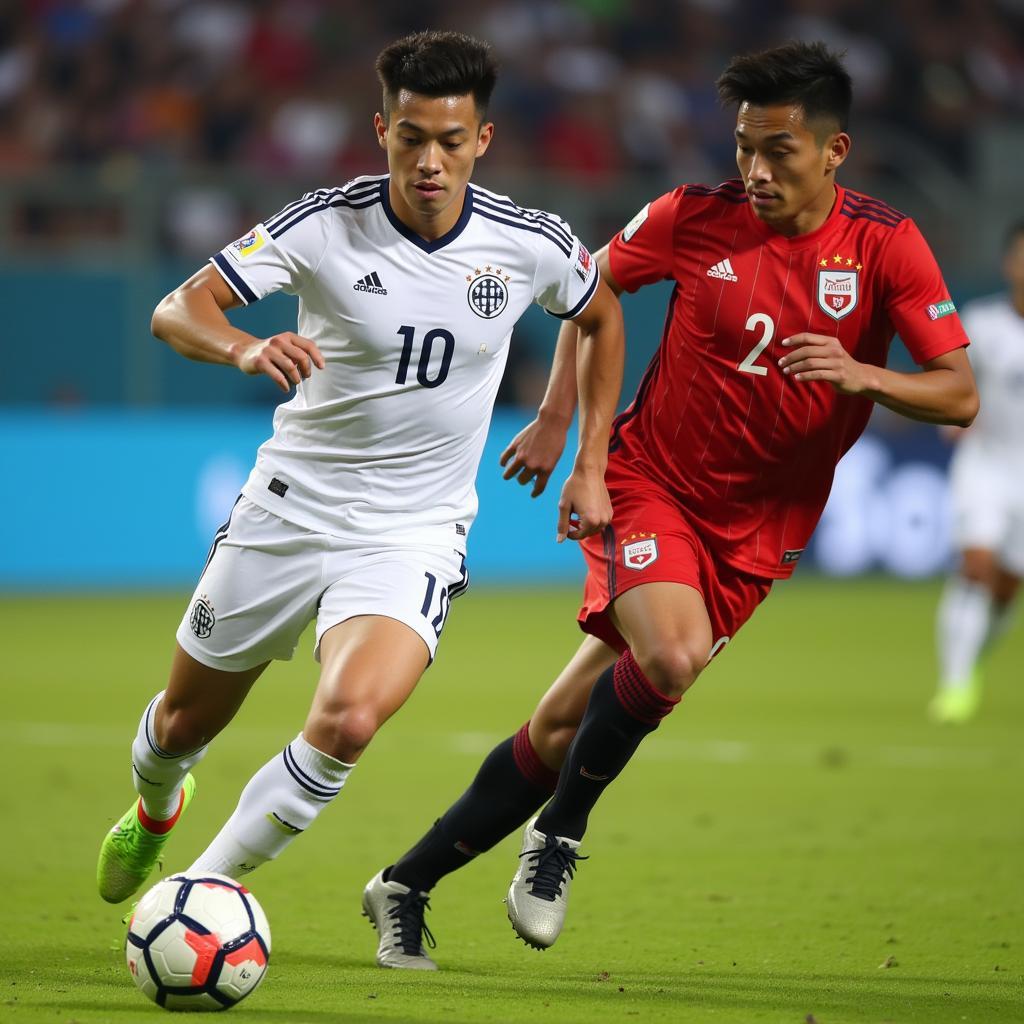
996,331
386,440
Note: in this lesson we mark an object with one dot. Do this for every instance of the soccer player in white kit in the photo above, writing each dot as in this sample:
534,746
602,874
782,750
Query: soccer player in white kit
987,482
357,511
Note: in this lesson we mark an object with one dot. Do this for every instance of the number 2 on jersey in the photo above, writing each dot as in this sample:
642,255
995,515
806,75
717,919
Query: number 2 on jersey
426,349
758,320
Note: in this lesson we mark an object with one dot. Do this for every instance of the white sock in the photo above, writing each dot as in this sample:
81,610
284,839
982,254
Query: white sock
158,775
280,802
964,622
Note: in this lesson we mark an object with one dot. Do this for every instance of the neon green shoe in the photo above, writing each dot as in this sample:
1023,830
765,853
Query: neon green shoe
956,704
130,852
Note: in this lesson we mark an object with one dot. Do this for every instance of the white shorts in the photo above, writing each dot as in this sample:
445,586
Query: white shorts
988,507
266,579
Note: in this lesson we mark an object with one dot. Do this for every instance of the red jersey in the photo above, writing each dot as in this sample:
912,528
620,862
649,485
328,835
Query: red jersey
748,452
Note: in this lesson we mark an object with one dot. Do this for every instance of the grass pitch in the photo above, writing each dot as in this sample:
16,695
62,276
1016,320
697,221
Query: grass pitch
796,845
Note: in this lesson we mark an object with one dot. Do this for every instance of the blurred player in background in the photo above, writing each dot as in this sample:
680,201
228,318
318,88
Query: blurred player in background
987,482
788,291
357,511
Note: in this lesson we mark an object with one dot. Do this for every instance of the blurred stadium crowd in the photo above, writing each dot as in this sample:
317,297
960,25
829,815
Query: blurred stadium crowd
590,88
138,136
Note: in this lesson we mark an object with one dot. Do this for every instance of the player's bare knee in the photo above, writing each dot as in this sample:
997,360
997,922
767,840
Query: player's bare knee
552,745
552,728
178,730
345,733
974,572
979,566
548,718
671,667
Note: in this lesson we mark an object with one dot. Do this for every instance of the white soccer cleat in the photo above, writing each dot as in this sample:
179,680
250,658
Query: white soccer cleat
539,893
396,911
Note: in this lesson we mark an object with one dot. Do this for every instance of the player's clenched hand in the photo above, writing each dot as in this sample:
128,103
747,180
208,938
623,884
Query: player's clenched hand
818,357
584,508
285,358
533,453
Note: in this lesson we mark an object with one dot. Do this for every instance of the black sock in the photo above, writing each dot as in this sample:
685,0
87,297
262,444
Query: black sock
511,784
623,708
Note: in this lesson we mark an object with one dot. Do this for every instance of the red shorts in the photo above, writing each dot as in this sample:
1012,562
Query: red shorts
651,540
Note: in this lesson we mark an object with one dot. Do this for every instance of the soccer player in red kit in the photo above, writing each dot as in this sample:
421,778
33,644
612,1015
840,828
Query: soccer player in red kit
788,291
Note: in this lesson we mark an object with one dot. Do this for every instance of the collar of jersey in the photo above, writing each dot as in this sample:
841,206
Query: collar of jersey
796,242
407,232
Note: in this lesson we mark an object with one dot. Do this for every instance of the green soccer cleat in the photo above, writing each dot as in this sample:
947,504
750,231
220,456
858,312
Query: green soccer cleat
956,704
130,852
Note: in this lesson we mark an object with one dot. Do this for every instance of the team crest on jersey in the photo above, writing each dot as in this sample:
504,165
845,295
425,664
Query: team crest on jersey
639,550
248,244
838,285
202,619
487,294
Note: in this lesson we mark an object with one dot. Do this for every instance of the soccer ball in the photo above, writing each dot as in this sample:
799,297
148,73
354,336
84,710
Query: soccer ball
198,942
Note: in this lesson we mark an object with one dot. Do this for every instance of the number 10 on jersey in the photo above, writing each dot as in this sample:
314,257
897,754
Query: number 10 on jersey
431,338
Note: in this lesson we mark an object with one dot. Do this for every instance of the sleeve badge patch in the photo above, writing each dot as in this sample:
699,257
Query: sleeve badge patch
636,223
937,310
584,261
248,244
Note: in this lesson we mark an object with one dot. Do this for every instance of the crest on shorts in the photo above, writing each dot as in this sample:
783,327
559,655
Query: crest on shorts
838,285
487,294
202,619
639,550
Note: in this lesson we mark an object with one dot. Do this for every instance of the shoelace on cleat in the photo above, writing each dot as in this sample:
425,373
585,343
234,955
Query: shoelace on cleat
412,929
135,839
551,863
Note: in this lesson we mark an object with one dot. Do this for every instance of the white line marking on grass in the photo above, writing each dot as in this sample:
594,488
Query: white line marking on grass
929,757
708,751
723,751
71,734
63,734
476,744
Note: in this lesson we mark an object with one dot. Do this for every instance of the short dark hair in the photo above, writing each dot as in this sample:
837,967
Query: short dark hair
808,74
438,64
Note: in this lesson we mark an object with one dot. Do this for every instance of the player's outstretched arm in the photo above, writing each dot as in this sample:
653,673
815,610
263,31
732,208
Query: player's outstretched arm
533,453
943,391
191,320
585,508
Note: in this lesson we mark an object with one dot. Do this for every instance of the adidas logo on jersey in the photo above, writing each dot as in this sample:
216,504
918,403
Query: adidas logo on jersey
370,283
723,270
